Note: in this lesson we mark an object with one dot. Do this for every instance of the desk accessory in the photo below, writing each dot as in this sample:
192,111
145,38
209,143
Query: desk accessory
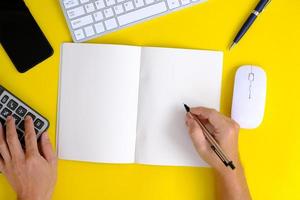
258,9
249,96
89,19
128,101
214,145
21,37
11,105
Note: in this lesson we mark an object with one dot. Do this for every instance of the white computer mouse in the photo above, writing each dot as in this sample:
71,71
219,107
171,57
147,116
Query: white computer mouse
249,96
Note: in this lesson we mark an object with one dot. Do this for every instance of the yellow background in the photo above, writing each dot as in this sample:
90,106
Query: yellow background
270,154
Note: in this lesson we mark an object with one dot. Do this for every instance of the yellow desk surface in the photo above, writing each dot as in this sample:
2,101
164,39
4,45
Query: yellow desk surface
270,153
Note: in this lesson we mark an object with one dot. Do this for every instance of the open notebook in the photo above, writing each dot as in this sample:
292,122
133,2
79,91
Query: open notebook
124,104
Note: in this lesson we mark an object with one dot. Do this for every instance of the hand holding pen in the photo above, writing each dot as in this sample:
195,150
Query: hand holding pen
223,130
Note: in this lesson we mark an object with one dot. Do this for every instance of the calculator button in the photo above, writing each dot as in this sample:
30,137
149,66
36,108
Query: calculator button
12,104
5,113
31,115
21,111
20,134
38,124
4,99
21,138
17,119
2,121
22,125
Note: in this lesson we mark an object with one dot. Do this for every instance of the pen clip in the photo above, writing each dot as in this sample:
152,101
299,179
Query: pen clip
266,6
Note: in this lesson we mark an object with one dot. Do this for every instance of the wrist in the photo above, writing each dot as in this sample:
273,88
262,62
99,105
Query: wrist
32,197
224,171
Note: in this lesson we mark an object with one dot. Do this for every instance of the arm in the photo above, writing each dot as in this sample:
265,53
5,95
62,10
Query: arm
32,173
231,184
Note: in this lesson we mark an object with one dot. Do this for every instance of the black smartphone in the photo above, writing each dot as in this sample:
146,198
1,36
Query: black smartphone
21,37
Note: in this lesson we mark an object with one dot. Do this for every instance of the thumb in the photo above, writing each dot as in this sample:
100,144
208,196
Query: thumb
47,149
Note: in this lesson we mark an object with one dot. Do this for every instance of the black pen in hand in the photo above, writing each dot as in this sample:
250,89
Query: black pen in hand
213,143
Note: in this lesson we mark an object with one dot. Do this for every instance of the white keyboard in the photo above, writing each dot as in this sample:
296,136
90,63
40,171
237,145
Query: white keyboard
88,19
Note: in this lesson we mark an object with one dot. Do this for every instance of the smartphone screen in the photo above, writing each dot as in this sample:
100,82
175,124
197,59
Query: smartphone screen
21,37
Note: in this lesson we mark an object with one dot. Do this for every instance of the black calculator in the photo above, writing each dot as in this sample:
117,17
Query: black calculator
11,105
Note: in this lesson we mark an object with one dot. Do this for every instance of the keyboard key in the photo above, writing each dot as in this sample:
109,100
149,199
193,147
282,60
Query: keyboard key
118,9
139,3
120,1
70,3
149,1
38,123
17,119
108,12
185,2
110,2
100,4
89,31
99,27
21,111
79,34
173,4
4,99
1,106
12,104
142,13
2,121
89,7
83,21
128,6
22,125
76,12
84,1
98,16
20,135
31,115
5,113
111,24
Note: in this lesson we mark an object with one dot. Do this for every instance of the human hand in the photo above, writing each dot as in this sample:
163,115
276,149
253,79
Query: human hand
223,129
32,173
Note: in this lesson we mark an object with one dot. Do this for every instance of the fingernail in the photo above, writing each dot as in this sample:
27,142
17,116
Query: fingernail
46,136
27,118
9,118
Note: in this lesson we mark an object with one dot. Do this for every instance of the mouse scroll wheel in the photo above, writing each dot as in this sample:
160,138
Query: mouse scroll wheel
251,77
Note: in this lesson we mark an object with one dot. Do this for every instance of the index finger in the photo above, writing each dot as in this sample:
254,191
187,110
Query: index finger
13,142
214,117
30,137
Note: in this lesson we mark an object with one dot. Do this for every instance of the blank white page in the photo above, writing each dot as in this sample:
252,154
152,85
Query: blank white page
169,78
98,103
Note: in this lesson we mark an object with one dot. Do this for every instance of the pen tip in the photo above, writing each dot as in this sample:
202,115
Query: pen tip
232,45
186,108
